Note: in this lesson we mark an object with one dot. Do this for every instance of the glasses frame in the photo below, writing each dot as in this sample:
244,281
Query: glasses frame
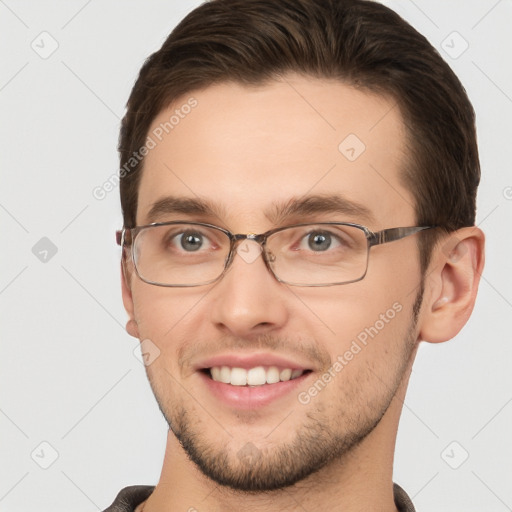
126,237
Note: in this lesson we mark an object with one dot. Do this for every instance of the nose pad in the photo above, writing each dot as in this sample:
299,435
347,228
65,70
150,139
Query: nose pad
249,250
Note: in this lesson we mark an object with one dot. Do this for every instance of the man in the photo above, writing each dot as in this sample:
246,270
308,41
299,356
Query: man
298,183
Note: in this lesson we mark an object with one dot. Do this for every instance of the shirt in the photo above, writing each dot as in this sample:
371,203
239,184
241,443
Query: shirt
131,497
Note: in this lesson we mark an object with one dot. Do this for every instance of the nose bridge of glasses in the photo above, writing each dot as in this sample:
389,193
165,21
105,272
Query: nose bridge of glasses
247,246
249,236
238,239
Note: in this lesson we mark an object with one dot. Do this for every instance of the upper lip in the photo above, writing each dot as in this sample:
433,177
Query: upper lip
244,360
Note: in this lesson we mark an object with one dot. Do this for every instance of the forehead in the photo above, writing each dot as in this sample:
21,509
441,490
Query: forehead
247,150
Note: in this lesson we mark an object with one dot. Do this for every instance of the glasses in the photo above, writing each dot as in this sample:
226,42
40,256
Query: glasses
184,254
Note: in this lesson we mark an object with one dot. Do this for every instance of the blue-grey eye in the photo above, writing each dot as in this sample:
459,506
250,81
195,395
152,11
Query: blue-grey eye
191,241
319,241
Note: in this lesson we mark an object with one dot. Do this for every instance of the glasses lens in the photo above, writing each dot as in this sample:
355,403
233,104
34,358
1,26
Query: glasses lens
180,254
318,254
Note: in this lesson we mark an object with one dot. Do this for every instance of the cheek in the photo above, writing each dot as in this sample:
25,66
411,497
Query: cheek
163,313
369,347
368,320
343,312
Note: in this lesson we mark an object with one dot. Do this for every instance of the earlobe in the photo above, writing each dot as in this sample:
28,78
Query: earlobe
131,325
132,328
452,278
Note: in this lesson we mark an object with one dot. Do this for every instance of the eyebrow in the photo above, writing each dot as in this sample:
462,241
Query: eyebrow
319,204
278,213
185,206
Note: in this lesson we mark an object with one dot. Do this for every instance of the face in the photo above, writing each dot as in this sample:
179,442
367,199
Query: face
250,159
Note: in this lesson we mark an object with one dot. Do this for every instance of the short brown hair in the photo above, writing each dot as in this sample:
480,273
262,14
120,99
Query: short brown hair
359,42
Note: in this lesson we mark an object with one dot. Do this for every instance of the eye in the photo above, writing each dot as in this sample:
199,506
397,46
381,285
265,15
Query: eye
319,241
190,241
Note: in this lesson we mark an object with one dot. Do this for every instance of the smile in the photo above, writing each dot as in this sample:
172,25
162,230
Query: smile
256,376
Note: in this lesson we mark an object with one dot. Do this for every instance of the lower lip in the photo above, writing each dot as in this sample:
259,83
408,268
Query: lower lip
251,397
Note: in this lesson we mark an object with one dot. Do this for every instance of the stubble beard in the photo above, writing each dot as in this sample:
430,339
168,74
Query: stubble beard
319,440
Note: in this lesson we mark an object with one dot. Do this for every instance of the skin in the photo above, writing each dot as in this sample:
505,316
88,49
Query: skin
245,149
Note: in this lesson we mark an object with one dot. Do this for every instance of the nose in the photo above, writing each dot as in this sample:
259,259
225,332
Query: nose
248,300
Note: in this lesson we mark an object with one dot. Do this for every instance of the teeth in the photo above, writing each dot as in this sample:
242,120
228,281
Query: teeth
296,373
285,375
216,373
272,375
238,376
257,376
225,375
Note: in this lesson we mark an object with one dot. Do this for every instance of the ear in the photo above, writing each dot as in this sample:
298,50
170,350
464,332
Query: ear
131,325
452,283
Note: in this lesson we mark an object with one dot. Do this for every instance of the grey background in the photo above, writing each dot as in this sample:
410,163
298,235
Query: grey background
69,376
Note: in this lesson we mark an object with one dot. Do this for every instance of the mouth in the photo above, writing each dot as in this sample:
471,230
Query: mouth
253,377
250,381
